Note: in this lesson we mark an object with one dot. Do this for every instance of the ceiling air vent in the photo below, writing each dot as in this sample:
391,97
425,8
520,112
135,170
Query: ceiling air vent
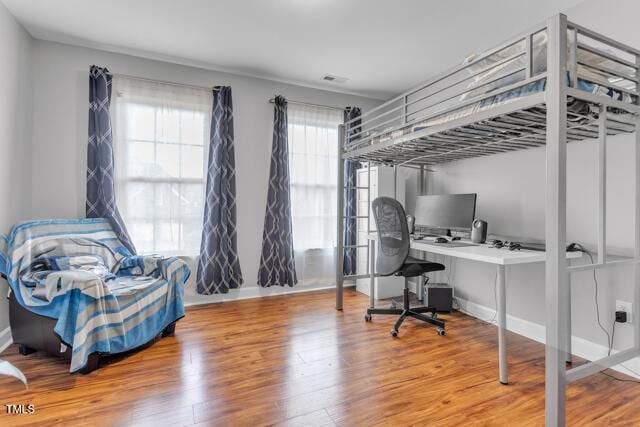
334,79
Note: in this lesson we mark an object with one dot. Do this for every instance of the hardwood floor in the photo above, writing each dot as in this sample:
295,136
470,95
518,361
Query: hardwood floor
294,360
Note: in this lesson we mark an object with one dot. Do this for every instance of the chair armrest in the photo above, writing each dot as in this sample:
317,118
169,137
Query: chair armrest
175,269
139,265
60,282
151,265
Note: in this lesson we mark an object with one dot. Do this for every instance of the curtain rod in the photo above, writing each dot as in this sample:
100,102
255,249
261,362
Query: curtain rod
272,100
162,81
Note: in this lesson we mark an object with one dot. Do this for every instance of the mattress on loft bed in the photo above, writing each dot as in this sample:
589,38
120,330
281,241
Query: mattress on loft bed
490,81
573,105
579,107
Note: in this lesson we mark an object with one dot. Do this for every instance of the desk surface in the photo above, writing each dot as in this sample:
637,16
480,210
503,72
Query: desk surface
483,252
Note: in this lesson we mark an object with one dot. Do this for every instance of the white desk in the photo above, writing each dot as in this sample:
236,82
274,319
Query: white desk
501,258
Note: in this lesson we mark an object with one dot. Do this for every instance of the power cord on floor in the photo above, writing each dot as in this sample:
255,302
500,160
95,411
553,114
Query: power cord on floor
624,380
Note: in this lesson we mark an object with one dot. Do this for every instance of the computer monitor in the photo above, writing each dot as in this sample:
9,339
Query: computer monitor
446,211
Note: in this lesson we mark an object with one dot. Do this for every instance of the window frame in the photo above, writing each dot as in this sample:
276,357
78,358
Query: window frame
332,188
180,221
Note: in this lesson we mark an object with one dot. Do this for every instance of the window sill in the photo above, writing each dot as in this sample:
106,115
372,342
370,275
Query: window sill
171,254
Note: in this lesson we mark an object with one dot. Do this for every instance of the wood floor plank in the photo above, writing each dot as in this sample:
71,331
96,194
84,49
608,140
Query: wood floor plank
296,361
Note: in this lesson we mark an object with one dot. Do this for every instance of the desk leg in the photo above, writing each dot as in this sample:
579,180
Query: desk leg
420,282
568,330
372,274
502,325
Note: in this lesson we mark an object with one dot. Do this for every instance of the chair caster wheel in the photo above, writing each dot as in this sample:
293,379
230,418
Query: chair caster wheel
440,331
394,333
367,318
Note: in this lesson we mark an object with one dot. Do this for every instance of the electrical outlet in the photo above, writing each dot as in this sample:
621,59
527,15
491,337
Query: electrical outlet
625,306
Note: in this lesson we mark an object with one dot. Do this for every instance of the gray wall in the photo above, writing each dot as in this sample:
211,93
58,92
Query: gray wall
511,191
15,118
60,137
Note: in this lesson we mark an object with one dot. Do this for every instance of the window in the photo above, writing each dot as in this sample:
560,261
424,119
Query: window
313,160
161,133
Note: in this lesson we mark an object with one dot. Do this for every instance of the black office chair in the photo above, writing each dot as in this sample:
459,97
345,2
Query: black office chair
393,259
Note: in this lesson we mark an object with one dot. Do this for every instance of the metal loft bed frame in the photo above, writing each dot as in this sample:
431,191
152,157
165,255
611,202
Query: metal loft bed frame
555,83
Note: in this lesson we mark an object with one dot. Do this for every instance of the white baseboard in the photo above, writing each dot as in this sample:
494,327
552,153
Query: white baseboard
5,339
235,294
253,292
579,346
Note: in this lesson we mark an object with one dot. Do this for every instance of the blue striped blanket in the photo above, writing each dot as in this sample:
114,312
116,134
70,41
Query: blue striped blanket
127,306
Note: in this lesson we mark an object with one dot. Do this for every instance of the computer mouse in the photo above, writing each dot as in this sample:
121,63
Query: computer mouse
453,239
441,240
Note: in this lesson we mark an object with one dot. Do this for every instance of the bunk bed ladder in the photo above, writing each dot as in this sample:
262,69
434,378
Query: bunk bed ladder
342,218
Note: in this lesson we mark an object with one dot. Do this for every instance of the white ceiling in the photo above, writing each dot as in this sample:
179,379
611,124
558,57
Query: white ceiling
382,46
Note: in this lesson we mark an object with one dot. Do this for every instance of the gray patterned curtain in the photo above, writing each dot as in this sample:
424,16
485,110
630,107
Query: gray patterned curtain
219,265
350,196
101,201
277,265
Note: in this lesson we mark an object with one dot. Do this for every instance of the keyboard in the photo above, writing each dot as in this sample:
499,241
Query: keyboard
453,244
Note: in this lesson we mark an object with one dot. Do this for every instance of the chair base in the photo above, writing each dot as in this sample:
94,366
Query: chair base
407,311
33,332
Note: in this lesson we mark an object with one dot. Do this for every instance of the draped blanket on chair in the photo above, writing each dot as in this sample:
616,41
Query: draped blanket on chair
80,273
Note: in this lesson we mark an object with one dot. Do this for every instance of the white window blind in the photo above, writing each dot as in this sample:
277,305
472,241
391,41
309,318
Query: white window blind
161,134
313,155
